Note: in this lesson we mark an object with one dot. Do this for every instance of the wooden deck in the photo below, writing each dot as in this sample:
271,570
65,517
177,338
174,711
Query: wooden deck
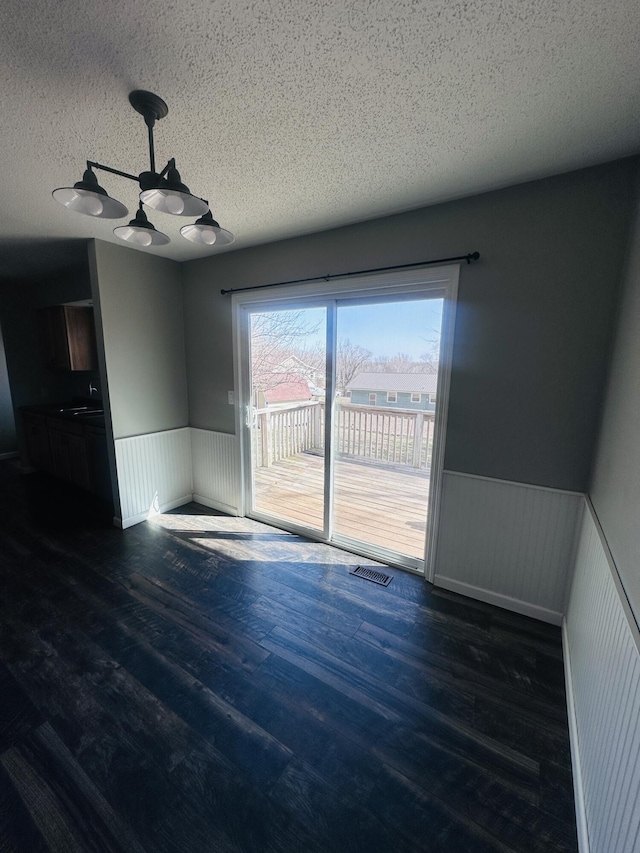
377,504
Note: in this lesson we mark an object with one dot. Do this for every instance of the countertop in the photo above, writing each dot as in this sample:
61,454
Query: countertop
52,410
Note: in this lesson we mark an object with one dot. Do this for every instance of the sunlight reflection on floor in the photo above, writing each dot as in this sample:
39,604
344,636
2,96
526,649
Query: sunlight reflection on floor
243,537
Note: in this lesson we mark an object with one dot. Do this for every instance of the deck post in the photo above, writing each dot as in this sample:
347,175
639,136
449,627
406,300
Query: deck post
417,439
265,430
317,427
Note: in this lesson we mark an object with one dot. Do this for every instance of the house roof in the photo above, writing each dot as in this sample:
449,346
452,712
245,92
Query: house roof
290,388
296,119
423,383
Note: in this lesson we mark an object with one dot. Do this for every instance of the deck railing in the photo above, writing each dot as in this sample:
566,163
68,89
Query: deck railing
394,436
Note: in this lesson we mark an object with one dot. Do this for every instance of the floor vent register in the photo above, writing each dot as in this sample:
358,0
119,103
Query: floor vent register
371,575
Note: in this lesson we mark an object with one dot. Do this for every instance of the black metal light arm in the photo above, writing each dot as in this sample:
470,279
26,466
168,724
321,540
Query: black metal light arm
92,165
170,165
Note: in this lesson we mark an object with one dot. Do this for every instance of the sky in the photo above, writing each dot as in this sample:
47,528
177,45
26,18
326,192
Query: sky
408,327
385,329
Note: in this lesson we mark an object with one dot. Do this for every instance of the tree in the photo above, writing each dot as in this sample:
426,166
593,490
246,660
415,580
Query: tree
350,359
274,338
431,357
402,363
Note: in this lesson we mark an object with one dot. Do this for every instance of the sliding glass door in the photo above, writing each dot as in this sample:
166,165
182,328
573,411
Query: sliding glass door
387,357
342,411
286,422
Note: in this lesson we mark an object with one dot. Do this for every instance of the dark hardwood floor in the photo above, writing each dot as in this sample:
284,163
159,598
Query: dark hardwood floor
203,683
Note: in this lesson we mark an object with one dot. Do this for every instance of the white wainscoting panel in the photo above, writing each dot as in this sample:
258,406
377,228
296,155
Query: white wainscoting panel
602,661
510,544
154,474
216,470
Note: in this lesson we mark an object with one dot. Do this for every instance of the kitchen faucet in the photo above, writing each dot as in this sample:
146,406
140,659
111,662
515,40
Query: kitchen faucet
92,388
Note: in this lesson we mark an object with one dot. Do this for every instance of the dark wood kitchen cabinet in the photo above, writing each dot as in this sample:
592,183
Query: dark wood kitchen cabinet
69,337
69,452
97,455
37,436
73,449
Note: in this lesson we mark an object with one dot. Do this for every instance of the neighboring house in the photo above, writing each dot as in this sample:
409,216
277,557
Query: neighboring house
394,390
294,365
287,388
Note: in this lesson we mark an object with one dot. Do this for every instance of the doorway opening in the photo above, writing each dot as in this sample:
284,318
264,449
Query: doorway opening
344,397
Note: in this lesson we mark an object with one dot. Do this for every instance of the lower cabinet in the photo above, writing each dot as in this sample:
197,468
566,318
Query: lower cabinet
37,436
74,452
98,459
69,452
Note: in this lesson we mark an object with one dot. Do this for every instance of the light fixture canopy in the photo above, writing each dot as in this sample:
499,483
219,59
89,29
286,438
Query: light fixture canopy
207,232
163,191
88,197
140,232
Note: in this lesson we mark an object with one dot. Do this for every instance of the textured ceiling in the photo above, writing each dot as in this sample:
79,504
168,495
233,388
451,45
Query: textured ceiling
292,117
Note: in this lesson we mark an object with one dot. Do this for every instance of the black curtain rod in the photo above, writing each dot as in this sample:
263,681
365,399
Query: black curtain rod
468,258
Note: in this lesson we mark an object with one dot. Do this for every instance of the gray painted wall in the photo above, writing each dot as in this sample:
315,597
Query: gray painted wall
142,332
534,322
615,489
8,440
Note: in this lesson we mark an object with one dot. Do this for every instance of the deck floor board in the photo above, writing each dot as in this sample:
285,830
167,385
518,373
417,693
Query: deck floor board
379,505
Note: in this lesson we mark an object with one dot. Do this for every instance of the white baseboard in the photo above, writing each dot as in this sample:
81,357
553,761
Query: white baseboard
576,767
219,505
504,601
145,516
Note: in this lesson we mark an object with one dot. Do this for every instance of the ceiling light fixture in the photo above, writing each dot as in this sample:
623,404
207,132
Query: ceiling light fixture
140,232
206,230
163,191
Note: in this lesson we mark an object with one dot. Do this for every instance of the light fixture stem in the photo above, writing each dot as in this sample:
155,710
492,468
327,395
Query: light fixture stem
92,165
152,153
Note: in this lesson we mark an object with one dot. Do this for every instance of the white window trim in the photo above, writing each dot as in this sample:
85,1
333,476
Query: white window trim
389,397
396,283
413,397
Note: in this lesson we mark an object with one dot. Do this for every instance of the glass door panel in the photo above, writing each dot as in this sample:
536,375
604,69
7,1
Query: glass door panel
287,415
387,357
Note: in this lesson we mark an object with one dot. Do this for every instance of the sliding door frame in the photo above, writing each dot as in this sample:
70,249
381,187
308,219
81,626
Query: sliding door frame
442,281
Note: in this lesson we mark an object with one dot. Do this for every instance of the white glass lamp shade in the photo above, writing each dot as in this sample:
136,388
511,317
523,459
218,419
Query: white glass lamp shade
172,196
140,232
173,201
88,197
207,232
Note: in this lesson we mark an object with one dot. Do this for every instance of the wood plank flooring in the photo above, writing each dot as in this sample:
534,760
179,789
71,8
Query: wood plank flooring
293,489
206,683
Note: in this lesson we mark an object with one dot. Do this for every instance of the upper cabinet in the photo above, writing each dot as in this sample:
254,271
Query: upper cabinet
70,337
